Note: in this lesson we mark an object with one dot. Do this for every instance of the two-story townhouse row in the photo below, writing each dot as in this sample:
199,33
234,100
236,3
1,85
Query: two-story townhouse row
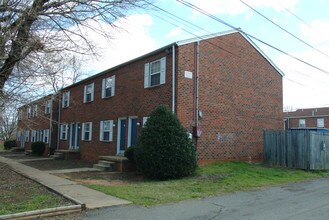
307,118
37,121
223,88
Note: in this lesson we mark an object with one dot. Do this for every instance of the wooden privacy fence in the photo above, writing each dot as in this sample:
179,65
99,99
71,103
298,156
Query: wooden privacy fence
301,149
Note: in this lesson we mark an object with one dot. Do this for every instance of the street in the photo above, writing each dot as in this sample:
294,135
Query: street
306,200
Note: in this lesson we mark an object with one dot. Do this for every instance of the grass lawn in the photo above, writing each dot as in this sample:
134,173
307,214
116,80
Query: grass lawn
212,179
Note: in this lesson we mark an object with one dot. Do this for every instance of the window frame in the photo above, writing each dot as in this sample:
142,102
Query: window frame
46,135
48,106
112,87
63,130
91,93
35,110
102,130
148,73
66,99
299,123
320,120
34,136
29,112
83,135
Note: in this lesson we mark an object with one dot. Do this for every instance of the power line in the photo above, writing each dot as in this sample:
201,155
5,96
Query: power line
285,30
247,34
301,20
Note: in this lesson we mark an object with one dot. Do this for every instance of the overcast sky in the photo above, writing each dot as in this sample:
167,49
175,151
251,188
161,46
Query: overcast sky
303,86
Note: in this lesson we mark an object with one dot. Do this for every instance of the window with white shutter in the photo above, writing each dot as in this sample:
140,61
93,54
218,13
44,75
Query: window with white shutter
106,130
88,93
155,73
108,87
86,131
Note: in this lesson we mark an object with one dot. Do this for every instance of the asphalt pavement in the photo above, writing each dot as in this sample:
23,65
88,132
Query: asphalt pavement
305,200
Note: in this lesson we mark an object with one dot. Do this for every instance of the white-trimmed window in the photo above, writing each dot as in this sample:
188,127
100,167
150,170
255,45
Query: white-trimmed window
106,130
63,132
34,136
48,106
66,99
29,112
27,136
20,114
155,73
86,131
302,123
40,135
145,120
35,111
88,95
46,136
108,87
18,138
320,122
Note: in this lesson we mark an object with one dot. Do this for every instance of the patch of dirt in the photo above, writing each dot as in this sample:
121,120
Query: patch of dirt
103,178
18,190
57,164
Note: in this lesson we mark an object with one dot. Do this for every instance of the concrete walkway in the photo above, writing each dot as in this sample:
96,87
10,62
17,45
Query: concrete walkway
91,198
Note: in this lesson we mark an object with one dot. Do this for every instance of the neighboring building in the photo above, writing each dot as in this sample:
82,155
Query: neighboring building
37,121
307,118
224,90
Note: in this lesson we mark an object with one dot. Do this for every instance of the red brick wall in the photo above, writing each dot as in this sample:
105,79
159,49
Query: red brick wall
40,122
240,94
131,99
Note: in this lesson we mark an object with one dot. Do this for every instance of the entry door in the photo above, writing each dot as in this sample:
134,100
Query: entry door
74,136
132,135
22,140
121,135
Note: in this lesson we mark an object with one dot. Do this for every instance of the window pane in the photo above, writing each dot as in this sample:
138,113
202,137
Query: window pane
155,79
155,67
108,92
106,136
89,89
106,125
88,97
87,127
108,82
86,135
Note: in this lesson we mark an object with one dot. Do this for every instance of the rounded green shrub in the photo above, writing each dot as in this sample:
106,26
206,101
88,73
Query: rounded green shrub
38,148
9,144
164,150
130,153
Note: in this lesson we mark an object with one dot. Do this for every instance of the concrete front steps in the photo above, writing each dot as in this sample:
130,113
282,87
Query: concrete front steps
104,165
66,155
114,164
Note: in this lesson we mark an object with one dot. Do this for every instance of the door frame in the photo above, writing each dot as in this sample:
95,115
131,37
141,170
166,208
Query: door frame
76,136
129,128
119,152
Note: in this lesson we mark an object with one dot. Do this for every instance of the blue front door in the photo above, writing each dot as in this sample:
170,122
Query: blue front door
123,135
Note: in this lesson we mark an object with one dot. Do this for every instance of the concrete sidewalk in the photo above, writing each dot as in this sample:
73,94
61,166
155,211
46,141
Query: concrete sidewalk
91,198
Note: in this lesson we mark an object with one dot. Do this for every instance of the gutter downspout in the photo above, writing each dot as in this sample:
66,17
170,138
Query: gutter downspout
197,84
50,124
173,79
59,119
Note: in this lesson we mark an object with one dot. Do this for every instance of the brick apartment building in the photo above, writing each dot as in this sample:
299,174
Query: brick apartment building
223,88
37,121
307,118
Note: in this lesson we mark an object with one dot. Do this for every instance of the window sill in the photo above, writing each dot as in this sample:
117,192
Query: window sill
108,97
155,86
106,141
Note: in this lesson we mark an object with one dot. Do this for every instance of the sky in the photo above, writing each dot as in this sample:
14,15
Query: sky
306,37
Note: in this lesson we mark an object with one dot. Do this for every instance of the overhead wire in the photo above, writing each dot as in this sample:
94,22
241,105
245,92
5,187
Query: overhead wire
285,30
192,6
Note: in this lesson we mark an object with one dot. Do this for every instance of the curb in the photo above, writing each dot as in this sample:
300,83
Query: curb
43,213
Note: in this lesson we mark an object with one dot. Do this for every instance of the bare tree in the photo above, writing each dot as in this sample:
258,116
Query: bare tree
8,121
31,27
